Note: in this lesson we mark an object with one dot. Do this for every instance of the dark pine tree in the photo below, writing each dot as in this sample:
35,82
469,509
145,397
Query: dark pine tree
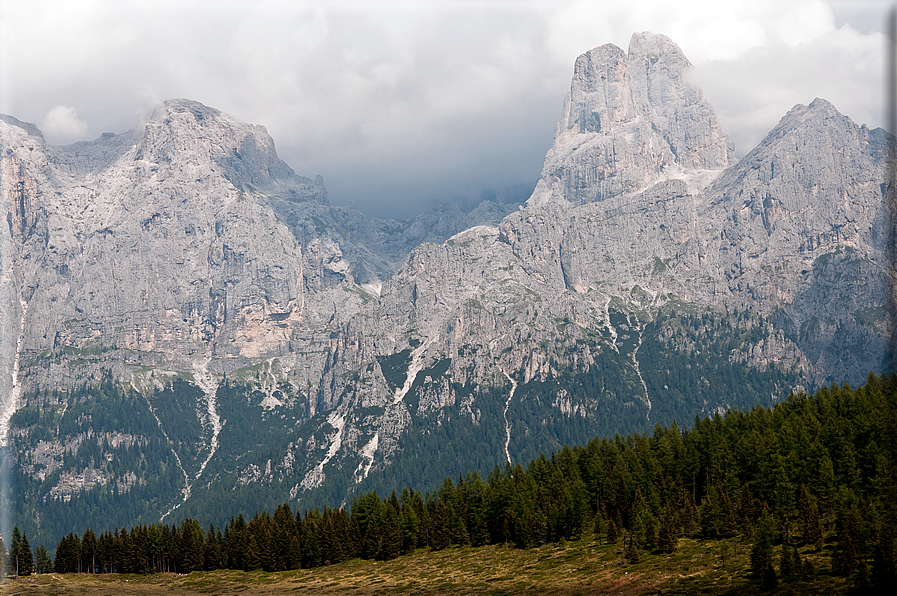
15,545
884,577
786,565
613,532
391,543
88,551
632,554
42,562
762,551
440,534
213,555
846,554
284,532
26,560
4,558
669,531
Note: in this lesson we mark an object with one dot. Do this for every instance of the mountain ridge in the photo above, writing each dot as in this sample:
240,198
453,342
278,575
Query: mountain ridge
646,279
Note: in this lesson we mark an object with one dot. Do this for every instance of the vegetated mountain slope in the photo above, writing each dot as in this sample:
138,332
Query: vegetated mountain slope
691,289
810,472
649,278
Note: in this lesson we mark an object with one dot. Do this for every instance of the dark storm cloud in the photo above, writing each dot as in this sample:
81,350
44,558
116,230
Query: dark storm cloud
400,103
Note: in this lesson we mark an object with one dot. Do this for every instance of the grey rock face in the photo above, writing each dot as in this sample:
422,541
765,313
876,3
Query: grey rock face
791,235
630,120
802,232
190,237
189,248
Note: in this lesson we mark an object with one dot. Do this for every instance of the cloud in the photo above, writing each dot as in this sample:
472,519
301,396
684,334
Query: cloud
754,59
61,125
753,91
399,102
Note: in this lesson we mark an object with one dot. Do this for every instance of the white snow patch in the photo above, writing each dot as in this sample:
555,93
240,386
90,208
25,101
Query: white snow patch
338,422
209,385
417,364
367,452
372,288
474,232
269,386
637,369
696,180
185,492
508,424
315,477
15,395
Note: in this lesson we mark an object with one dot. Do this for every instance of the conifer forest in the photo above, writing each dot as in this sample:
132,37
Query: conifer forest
814,471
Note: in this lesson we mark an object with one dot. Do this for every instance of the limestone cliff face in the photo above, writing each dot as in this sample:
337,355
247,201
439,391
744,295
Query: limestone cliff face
787,243
188,239
799,229
630,120
144,242
647,270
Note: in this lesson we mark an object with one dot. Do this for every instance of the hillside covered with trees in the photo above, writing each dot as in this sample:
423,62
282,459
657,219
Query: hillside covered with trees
815,472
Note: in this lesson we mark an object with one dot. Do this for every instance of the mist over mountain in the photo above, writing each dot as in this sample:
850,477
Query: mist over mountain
190,328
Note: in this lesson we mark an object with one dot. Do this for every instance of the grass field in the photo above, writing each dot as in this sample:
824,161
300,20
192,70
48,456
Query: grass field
577,567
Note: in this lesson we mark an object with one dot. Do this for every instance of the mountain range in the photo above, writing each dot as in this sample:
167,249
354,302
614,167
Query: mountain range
187,327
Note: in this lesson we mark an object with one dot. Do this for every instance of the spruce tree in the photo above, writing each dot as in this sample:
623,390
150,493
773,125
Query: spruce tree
599,527
410,527
796,562
884,571
391,545
747,512
632,554
251,558
711,513
212,550
26,560
14,546
295,553
813,533
770,579
846,554
689,514
440,535
728,519
4,558
476,509
354,540
192,546
373,534
42,563
786,567
328,538
807,567
88,551
761,553
613,532
236,538
669,531
284,530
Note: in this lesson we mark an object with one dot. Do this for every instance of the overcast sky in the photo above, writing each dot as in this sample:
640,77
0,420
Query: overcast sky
400,104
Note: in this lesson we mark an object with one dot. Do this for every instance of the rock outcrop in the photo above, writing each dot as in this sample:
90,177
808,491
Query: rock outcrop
650,277
630,121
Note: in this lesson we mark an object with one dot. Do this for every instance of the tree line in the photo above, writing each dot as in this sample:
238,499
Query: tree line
815,471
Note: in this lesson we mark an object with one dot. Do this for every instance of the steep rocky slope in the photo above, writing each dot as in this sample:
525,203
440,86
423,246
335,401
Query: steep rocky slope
630,120
258,339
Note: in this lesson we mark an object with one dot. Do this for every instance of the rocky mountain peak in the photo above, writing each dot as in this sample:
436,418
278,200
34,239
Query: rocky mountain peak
630,121
187,131
31,129
184,251
802,161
